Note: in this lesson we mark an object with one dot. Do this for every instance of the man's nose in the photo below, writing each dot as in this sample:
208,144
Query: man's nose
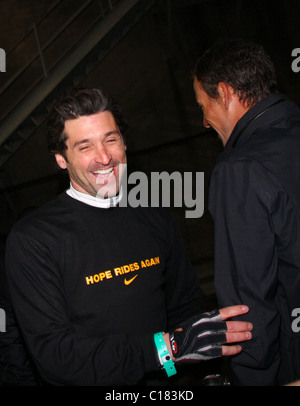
205,123
102,156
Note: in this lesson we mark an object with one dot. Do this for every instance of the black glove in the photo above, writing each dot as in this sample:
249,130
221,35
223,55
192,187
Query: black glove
201,338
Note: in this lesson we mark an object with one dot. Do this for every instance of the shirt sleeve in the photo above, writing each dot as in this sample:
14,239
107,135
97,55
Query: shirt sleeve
15,366
250,207
61,354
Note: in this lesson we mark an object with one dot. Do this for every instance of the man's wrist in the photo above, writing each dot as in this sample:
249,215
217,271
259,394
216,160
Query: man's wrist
166,337
164,352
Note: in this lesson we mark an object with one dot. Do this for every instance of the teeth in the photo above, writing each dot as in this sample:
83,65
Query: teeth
104,171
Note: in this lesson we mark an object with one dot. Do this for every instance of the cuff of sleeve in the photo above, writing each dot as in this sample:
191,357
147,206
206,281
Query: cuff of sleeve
151,359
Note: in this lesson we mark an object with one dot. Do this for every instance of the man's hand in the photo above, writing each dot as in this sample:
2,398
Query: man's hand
237,331
203,336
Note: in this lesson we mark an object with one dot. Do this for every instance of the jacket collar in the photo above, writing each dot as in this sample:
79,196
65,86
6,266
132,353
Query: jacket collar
253,119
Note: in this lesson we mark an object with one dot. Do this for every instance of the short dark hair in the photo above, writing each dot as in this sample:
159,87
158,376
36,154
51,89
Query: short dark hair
75,103
244,65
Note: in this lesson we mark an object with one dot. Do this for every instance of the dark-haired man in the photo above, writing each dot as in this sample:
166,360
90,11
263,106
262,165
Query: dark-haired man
255,202
98,289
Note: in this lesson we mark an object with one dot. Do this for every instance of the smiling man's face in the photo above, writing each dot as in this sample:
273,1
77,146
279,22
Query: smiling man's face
95,148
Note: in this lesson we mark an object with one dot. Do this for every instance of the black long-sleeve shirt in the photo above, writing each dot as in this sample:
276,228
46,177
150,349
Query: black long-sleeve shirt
90,286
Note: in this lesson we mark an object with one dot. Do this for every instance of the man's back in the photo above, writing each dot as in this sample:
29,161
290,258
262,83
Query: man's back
255,202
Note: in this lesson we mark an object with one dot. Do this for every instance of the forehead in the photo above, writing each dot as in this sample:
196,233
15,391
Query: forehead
92,125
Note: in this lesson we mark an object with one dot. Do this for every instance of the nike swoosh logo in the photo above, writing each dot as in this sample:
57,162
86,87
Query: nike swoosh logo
130,280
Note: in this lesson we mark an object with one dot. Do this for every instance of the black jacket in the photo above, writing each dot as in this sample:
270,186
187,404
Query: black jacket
255,201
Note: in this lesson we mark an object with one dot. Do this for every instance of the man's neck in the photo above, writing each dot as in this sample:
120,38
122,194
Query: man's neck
95,201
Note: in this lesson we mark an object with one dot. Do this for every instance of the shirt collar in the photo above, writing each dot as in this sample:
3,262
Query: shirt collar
95,201
251,116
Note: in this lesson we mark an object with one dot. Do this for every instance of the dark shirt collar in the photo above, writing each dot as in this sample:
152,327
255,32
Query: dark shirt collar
244,125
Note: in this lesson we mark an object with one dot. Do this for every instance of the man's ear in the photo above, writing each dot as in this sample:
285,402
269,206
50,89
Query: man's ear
61,162
225,92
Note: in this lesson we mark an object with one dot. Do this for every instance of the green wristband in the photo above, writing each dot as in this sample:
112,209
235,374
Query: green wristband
164,354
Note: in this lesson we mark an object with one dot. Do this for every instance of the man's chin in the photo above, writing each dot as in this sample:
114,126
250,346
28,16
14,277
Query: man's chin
108,189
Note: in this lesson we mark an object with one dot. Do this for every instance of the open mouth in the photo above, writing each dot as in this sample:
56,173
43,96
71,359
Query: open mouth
104,171
104,175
